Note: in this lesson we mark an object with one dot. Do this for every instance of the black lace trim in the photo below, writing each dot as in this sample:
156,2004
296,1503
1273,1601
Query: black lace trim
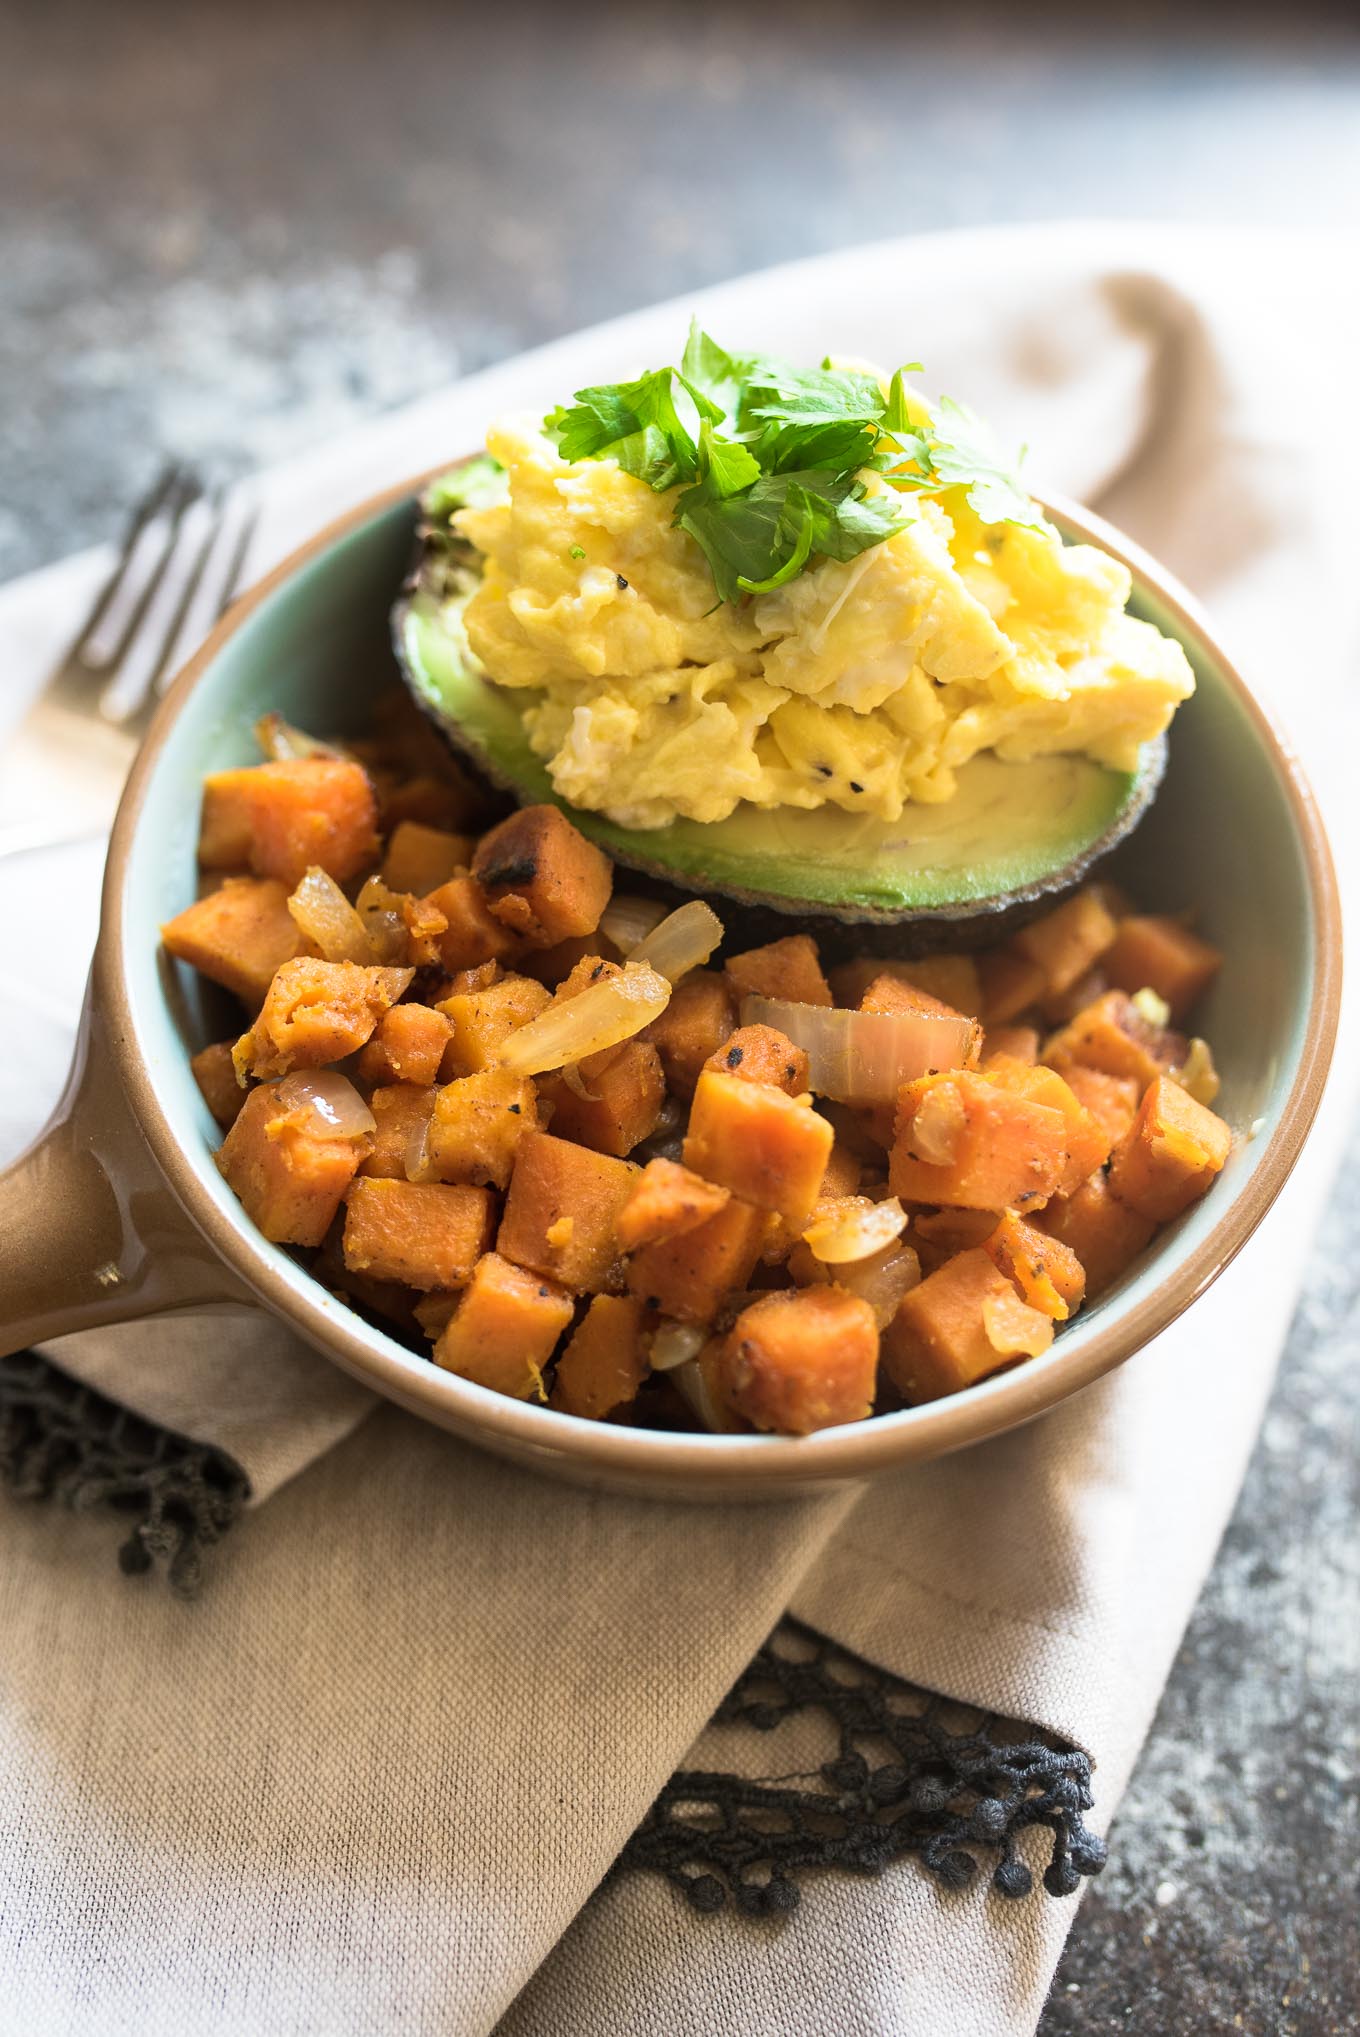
914,1775
60,1440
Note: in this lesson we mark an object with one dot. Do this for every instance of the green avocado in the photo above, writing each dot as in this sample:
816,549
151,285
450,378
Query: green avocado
1012,834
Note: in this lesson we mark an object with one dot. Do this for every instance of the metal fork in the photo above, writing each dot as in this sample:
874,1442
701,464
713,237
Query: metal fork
179,567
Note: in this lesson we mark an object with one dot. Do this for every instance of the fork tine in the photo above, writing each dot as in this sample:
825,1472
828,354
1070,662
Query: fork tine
152,504
140,571
216,586
181,567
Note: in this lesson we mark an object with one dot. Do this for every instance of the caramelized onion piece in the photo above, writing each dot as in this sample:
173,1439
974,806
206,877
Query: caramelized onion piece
322,912
675,1344
690,1382
682,941
852,1227
379,910
281,742
863,1056
602,1015
331,1102
626,920
882,1281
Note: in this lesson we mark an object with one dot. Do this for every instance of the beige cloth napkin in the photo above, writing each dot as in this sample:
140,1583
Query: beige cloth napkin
371,1778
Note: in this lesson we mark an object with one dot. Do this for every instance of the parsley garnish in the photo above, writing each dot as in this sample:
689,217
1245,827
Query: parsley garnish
770,459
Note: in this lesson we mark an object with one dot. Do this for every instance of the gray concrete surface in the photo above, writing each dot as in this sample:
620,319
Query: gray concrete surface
230,232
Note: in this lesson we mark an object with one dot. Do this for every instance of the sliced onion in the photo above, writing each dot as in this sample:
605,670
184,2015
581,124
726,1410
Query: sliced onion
380,914
1197,1074
322,912
863,1056
416,1161
626,920
333,1106
682,941
882,1281
575,1081
1013,1328
690,1382
938,1125
852,1227
603,1015
282,743
1152,1008
675,1344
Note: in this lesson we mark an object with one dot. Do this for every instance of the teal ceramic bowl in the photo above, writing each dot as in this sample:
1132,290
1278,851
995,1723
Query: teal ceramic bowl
1234,831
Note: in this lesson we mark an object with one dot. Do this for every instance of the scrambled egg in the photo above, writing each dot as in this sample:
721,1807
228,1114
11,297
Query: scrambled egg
865,685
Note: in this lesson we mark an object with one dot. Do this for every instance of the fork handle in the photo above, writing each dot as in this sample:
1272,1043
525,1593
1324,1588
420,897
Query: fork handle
90,1233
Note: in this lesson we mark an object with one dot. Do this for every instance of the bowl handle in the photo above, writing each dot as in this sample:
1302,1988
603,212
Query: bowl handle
90,1232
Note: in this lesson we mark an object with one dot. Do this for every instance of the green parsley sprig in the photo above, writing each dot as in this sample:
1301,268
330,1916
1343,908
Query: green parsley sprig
769,459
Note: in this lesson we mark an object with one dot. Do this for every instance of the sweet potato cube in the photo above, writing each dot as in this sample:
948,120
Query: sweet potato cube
762,1054
1043,1271
1170,1154
790,968
408,1045
964,1321
605,1361
690,1276
963,1139
317,1012
952,979
700,1017
940,1234
431,800
841,1177
1063,1005
1017,1043
215,1073
1011,983
542,877
400,1109
561,1211
481,1021
626,1091
472,935
1087,1145
238,936
505,1329
288,1174
799,1360
552,966
1156,953
1105,1235
760,1143
1112,1100
666,1200
893,994
421,858
1068,940
423,1234
1113,1035
476,1125
281,818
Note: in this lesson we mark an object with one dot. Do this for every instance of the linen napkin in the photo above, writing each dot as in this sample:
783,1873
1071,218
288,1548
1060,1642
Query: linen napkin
373,1777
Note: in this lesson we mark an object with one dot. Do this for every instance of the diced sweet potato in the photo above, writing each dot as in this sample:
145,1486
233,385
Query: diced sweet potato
408,1045
699,1018
1113,1035
591,968
552,966
940,1234
690,1276
953,979
279,819
761,1054
481,1021
420,858
238,936
790,968
605,1362
666,1200
476,1125
963,1322
561,1211
1067,941
505,1329
1017,1043
892,994
841,1177
1060,1006
215,1073
1170,1154
542,877
1087,1145
625,1091
1112,1100
1157,953
472,935
1011,983
288,1175
317,1012
1043,1271
464,980
434,1311
423,1234
428,799
801,1360
963,1139
425,927
399,1110
760,1143
1105,1235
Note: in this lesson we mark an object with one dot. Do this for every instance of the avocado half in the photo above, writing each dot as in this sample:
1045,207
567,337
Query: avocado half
1012,835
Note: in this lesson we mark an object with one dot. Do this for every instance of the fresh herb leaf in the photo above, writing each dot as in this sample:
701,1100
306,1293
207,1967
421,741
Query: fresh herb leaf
811,396
762,538
964,455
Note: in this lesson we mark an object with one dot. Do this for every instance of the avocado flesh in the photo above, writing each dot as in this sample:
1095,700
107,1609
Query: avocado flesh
1012,833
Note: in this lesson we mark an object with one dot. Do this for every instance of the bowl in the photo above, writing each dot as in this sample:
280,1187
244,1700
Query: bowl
118,1211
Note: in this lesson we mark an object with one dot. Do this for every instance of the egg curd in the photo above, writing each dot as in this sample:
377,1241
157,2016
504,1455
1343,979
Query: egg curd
862,685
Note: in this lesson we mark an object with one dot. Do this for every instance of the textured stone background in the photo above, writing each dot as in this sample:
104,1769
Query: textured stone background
229,232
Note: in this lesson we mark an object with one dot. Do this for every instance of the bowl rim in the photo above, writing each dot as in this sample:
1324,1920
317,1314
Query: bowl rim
731,1464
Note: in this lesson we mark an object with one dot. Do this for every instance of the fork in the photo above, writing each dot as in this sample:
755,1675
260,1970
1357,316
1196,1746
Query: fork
179,568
